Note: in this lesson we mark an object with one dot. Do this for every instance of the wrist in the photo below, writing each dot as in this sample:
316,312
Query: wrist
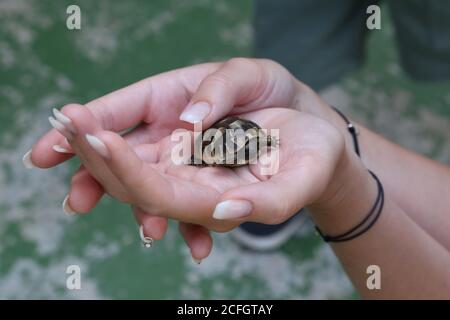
352,189
307,100
349,196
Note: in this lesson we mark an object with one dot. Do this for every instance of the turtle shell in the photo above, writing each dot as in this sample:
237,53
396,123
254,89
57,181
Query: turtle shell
231,142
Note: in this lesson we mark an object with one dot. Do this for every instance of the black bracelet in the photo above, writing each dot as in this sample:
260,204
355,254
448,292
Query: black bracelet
351,128
377,207
366,223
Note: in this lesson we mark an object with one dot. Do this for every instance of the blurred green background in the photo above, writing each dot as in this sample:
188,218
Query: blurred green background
44,65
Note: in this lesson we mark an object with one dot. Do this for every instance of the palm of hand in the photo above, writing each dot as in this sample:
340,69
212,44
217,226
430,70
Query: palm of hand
308,145
187,193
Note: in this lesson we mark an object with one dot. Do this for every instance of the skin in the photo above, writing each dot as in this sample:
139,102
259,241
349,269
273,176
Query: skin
408,242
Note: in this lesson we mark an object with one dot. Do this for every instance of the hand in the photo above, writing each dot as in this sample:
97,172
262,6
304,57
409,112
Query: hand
247,84
154,105
311,151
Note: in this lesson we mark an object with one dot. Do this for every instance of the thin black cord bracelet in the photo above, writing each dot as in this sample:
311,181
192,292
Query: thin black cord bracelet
377,207
366,223
351,128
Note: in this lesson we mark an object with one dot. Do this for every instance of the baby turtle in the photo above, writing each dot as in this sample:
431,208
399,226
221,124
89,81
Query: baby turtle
232,142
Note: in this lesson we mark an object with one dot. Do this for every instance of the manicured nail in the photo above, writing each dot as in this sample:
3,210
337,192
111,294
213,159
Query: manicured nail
97,145
197,261
66,207
196,112
60,127
146,241
65,120
60,149
232,209
26,160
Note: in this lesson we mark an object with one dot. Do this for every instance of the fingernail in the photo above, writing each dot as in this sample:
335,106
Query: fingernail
232,209
60,149
197,261
65,120
97,145
60,127
26,160
146,241
66,207
196,112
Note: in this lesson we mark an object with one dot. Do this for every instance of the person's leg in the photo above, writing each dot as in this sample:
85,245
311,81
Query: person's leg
319,41
423,34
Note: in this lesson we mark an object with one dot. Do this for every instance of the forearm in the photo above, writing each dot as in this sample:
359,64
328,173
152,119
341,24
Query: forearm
412,263
419,186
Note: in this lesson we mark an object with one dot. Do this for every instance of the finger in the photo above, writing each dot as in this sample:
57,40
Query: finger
246,84
198,239
118,110
145,100
85,192
153,227
162,96
79,119
124,163
145,133
63,147
66,126
49,151
74,122
154,191
274,200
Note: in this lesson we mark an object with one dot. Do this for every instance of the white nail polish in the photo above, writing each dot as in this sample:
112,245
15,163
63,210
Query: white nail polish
66,207
26,160
146,241
60,127
195,112
97,145
232,209
60,149
197,261
65,120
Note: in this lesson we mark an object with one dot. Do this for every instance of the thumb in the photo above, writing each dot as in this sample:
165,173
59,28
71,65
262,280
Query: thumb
272,201
238,82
